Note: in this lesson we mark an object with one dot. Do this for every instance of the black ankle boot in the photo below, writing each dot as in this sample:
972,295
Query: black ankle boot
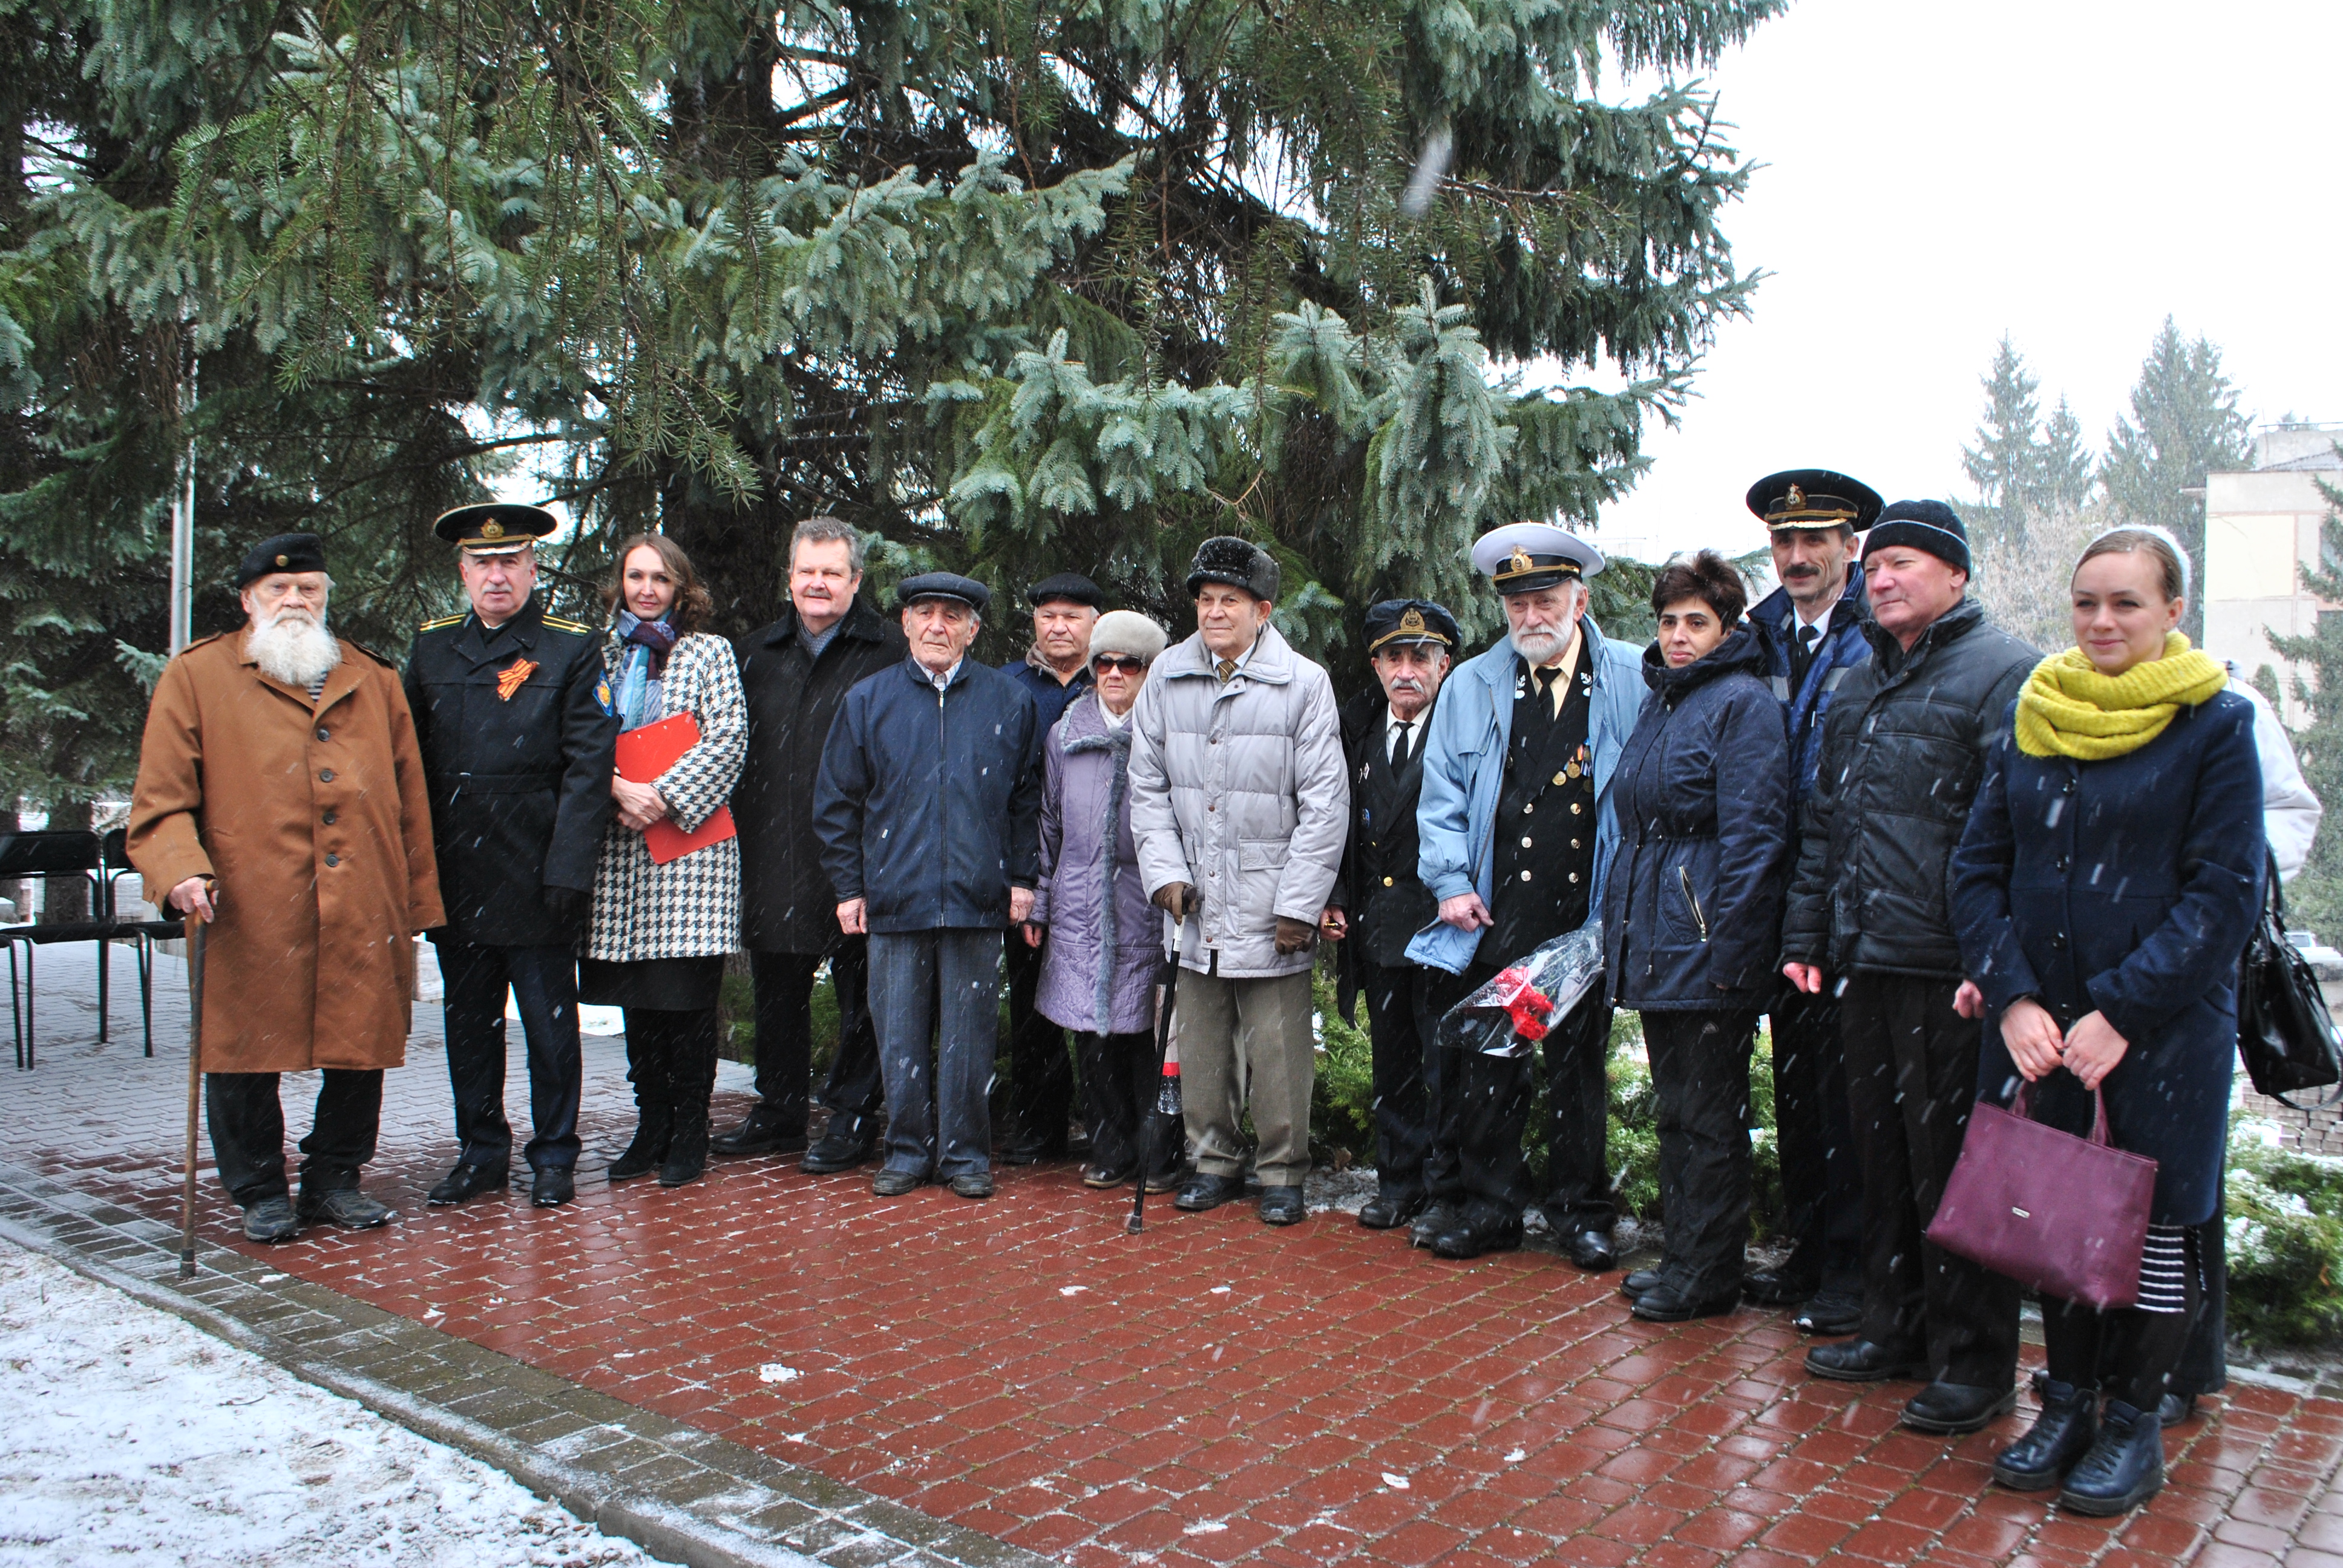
654,1129
2062,1434
686,1151
2123,1468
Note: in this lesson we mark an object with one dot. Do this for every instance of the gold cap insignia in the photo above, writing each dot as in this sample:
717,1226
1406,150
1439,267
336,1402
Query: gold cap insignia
1794,499
1412,623
492,529
283,560
1518,561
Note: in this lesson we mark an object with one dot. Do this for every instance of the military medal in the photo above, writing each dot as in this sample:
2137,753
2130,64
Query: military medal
510,680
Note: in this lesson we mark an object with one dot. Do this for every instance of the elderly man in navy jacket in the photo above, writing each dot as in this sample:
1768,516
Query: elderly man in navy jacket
928,805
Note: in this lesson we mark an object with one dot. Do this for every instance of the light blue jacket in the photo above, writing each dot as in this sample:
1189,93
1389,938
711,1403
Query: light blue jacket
1465,772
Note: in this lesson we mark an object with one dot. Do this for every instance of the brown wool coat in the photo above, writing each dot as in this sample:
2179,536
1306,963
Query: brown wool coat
317,827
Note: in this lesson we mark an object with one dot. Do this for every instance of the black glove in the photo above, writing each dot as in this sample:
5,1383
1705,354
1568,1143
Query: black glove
1177,899
1295,936
569,907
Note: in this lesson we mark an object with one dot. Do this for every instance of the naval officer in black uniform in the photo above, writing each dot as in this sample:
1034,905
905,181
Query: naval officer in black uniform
518,747
1380,903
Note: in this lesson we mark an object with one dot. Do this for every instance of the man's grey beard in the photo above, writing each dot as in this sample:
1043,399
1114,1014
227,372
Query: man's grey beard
291,647
1538,645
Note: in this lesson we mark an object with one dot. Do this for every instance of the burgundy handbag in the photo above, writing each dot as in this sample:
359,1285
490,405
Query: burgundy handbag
2064,1215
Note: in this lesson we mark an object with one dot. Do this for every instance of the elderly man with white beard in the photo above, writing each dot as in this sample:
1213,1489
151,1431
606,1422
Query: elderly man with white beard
1515,827
281,800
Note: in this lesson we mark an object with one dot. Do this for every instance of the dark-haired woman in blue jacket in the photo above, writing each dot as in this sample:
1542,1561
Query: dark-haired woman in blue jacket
1692,916
2106,886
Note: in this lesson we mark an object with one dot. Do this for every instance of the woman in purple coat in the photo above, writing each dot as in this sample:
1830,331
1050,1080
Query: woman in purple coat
1105,940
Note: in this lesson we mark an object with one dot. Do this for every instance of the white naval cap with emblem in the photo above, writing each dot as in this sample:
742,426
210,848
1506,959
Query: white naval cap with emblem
1521,556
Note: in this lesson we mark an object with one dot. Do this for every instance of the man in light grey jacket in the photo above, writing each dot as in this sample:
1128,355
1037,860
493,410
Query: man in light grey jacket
1240,799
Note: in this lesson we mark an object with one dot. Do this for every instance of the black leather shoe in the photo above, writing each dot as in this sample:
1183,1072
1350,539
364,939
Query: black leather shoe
895,1183
2063,1432
760,1132
1387,1210
1953,1408
1829,1315
1283,1205
1103,1176
465,1183
2175,1408
972,1184
840,1149
1164,1180
1591,1251
553,1187
1860,1361
1202,1191
1471,1238
1638,1281
271,1219
344,1206
1667,1304
2123,1468
1785,1286
1435,1218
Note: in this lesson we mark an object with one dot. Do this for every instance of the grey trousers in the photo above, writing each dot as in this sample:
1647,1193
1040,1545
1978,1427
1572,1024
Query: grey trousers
942,987
1246,1041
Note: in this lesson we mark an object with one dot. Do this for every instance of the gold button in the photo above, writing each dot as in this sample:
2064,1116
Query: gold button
1574,876
1387,881
1525,876
1526,841
1573,843
1528,807
1557,778
1575,807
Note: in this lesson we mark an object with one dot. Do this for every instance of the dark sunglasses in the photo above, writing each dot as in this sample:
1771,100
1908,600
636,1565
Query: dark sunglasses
1121,661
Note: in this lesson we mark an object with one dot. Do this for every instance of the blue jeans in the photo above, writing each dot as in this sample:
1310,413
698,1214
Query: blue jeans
944,987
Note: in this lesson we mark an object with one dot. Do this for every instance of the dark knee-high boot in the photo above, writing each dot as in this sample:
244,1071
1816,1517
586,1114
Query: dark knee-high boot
647,1050
693,1083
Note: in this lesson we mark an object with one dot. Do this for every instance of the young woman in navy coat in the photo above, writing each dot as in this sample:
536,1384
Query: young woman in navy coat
2103,889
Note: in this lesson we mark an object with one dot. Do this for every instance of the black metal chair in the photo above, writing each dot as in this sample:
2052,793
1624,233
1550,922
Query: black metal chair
115,854
47,857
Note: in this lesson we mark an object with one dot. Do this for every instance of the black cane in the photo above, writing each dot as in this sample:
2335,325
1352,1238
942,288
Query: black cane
1167,1089
194,925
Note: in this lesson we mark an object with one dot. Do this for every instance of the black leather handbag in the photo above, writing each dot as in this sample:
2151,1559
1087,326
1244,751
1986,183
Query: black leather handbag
2284,1029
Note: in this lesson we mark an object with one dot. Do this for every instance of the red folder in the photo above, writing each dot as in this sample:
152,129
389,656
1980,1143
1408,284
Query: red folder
647,753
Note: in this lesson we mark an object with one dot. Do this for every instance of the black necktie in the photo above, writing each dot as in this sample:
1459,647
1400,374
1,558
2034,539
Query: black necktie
1398,743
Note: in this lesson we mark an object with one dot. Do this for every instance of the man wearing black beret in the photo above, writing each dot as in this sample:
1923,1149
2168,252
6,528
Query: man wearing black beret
929,806
1379,902
1868,915
1054,671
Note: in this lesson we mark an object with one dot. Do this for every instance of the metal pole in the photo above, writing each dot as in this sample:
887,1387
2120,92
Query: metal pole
195,1091
183,535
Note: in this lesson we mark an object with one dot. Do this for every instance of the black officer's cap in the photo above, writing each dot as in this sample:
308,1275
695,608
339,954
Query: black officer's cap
494,527
1814,498
1402,620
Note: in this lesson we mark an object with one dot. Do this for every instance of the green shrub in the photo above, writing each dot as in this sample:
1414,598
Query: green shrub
1343,1103
2285,1225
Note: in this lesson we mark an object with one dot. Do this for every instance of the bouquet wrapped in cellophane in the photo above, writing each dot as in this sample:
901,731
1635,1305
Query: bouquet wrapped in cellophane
1528,997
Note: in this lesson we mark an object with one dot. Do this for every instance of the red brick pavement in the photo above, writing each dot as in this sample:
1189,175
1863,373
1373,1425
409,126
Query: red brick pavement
1209,1392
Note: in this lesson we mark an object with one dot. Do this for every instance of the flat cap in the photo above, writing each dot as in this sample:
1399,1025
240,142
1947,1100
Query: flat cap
284,553
1521,557
1396,621
1239,563
943,585
1066,588
1813,499
494,527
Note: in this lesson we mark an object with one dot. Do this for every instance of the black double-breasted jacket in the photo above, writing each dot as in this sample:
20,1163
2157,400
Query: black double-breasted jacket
1385,901
518,742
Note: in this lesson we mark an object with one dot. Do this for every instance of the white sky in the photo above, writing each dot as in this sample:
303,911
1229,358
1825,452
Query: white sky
2068,171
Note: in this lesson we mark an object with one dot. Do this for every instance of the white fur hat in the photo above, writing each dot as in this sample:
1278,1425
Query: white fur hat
1127,631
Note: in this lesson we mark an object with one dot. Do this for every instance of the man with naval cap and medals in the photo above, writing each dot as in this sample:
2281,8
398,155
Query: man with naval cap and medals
1379,903
518,744
1811,629
1516,829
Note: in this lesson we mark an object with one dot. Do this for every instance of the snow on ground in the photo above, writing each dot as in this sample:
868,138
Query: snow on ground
132,1436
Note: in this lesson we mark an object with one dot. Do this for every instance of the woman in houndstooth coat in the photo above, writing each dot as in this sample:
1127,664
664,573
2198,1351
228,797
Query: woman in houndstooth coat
660,932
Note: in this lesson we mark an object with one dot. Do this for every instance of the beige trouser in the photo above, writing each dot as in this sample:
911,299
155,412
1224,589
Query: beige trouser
1244,1041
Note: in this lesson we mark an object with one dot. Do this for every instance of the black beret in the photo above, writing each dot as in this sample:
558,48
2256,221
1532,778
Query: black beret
1930,526
1239,563
943,585
494,527
284,553
1070,587
1400,620
1813,499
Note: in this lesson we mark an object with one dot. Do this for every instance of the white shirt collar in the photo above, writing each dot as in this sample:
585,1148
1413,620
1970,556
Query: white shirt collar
945,680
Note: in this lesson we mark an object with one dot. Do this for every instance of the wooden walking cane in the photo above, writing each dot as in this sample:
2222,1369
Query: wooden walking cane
1167,1092
195,929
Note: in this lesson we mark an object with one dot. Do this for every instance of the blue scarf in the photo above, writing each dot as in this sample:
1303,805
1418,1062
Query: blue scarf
642,666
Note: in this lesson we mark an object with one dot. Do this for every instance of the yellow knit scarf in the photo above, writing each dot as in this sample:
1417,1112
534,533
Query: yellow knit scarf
2069,709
